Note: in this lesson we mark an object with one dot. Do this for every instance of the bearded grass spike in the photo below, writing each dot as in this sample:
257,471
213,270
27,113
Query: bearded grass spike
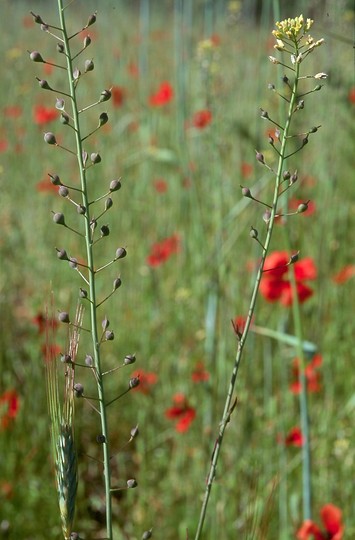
62,426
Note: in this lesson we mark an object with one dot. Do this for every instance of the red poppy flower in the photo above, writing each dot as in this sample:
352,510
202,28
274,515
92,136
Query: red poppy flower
42,322
133,70
199,374
43,115
216,40
50,351
351,95
275,285
163,96
160,185
182,412
45,186
118,96
331,516
146,380
344,274
294,437
311,374
3,145
9,407
161,251
201,119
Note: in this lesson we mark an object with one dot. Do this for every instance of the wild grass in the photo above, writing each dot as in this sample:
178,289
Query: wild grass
179,313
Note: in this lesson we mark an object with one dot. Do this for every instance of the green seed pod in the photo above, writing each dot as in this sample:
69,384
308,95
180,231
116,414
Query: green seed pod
37,19
134,432
43,84
60,48
87,41
104,230
302,207
55,179
73,263
117,283
253,233
89,361
134,382
64,118
105,324
246,192
83,293
259,156
91,19
147,534
109,335
66,359
108,203
103,119
95,158
81,209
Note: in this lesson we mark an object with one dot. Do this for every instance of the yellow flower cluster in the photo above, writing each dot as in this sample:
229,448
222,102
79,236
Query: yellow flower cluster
292,28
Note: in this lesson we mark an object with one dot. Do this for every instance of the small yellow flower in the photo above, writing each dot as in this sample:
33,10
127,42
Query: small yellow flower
293,29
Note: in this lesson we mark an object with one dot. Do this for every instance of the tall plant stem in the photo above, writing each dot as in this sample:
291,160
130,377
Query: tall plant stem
91,274
229,405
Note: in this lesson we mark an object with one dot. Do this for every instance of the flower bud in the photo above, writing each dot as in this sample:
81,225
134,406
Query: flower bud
37,19
63,317
60,104
286,175
120,253
294,258
302,207
147,534
134,382
87,41
81,209
253,233
64,118
264,114
49,138
259,156
78,390
115,185
66,359
273,60
134,432
58,218
85,156
294,178
89,361
246,192
321,76
267,216
55,179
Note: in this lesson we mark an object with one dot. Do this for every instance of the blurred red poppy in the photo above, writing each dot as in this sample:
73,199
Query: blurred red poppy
246,169
42,322
118,95
9,407
43,115
13,111
161,251
160,185
344,274
331,517
311,374
201,119
199,373
163,96
45,186
351,95
182,412
294,204
3,145
294,437
275,284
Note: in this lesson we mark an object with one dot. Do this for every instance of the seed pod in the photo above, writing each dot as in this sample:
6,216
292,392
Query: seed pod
101,439
109,335
120,253
83,293
259,156
105,323
87,41
73,263
115,185
246,192
264,114
108,203
302,207
147,534
37,19
66,359
88,65
60,48
253,233
134,432
294,177
91,19
63,191
62,254
105,95
35,56
55,179
78,390
89,361
63,317
49,138
294,258
43,84
129,359
104,230
60,104
267,216
85,157
103,119
64,118
76,74
58,218
95,158
286,175
117,283
132,483
81,209
134,382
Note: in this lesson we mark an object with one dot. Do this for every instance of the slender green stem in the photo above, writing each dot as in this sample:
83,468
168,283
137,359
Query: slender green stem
229,407
91,273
